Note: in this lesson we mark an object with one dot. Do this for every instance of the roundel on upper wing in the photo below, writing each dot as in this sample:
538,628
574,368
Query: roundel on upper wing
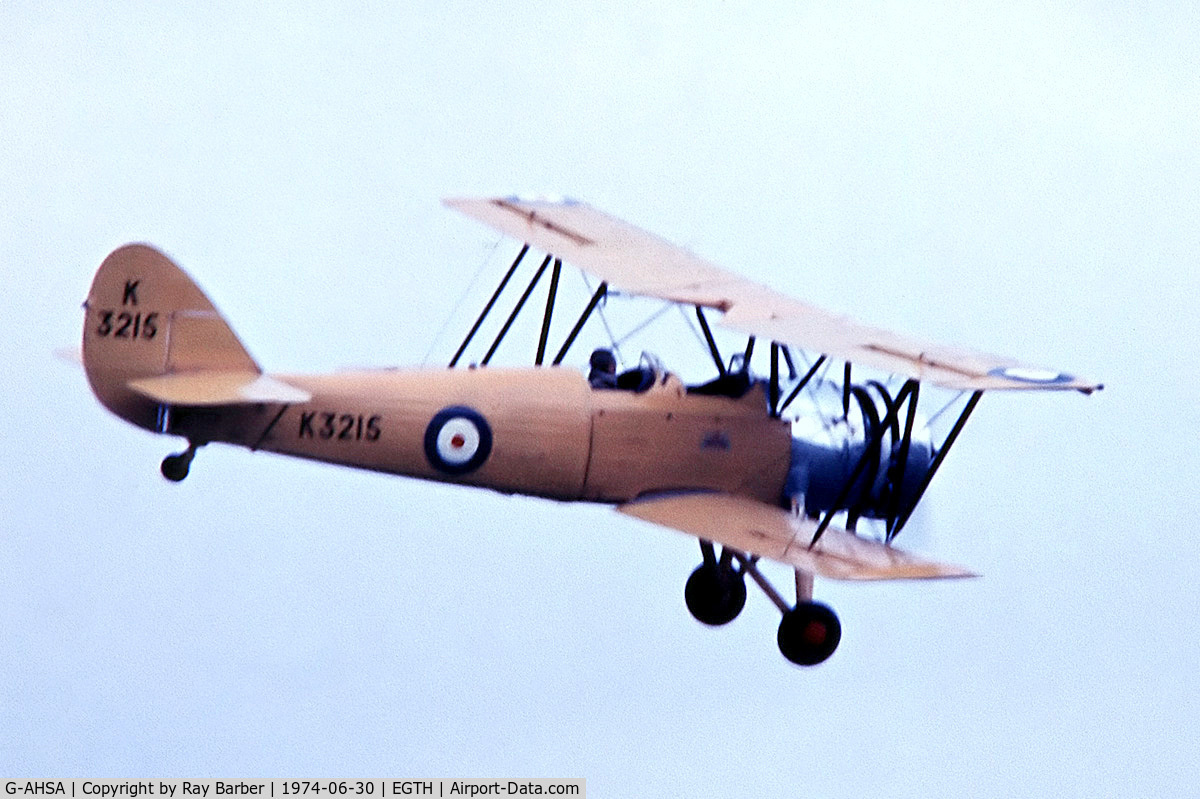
1024,374
458,440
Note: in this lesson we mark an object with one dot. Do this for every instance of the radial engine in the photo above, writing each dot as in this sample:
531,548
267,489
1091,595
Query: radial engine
826,452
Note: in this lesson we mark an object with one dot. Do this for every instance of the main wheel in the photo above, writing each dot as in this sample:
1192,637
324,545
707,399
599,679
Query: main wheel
175,467
715,596
809,633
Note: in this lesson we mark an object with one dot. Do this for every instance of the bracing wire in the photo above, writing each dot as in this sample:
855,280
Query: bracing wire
929,422
461,299
604,321
692,326
649,321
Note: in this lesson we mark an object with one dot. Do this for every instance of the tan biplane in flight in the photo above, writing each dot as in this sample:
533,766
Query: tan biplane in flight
722,461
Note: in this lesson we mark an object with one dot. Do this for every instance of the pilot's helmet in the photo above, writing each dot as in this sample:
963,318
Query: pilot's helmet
603,361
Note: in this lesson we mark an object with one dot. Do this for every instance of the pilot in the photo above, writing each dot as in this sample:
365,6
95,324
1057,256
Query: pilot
603,373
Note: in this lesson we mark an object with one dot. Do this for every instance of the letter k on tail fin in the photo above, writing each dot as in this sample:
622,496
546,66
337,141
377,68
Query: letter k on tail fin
146,318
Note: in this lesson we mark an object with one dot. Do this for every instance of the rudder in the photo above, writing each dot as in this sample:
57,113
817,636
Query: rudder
146,318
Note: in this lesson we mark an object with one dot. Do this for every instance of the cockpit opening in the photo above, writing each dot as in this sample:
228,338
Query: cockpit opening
603,374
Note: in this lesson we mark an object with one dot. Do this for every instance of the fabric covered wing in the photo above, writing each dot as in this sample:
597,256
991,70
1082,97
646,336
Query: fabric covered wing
638,262
755,528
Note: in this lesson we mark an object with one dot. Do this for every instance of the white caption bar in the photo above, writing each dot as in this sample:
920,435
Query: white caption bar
287,789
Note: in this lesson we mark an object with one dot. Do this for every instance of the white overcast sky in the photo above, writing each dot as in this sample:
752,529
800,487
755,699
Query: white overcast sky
1020,177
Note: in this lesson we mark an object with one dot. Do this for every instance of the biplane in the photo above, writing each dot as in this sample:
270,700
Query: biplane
728,461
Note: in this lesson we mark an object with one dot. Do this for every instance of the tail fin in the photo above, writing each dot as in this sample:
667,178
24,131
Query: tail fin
146,318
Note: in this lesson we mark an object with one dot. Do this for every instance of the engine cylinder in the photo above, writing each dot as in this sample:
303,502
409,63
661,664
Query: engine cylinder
824,459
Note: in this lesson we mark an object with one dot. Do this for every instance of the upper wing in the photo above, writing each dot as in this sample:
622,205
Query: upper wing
756,528
639,262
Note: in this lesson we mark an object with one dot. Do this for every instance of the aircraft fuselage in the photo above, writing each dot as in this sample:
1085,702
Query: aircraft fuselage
538,431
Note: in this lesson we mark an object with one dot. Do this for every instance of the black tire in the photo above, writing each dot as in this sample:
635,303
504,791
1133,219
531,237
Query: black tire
809,633
175,467
715,597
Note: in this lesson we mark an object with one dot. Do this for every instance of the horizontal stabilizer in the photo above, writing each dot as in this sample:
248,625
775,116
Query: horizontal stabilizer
755,528
73,355
217,388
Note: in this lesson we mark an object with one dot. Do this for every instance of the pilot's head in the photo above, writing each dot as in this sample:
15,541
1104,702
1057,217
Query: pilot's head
602,360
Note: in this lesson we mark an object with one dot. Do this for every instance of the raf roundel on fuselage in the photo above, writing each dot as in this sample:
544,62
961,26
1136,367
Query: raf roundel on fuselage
458,440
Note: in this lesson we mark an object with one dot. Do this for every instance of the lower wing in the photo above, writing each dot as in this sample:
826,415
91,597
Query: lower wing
755,528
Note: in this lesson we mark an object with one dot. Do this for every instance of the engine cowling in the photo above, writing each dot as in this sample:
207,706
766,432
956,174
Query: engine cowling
824,458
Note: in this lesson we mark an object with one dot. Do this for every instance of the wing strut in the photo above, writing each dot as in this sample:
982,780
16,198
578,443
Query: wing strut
515,311
846,391
937,462
812,370
554,274
899,512
901,464
712,343
748,353
487,308
587,312
773,399
787,356
907,392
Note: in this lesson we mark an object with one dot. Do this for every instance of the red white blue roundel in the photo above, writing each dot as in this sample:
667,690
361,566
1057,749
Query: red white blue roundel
458,440
1023,374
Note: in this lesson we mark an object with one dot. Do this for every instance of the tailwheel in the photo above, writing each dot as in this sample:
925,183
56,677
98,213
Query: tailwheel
715,593
809,633
175,467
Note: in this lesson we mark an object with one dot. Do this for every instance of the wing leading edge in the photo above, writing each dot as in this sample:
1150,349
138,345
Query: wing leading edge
638,262
755,528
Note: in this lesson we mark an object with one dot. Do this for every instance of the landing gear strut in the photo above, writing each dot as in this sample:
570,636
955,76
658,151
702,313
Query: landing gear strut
809,632
716,591
175,467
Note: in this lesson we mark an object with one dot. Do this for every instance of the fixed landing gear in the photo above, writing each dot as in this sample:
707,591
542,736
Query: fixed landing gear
809,632
716,591
175,467
715,596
